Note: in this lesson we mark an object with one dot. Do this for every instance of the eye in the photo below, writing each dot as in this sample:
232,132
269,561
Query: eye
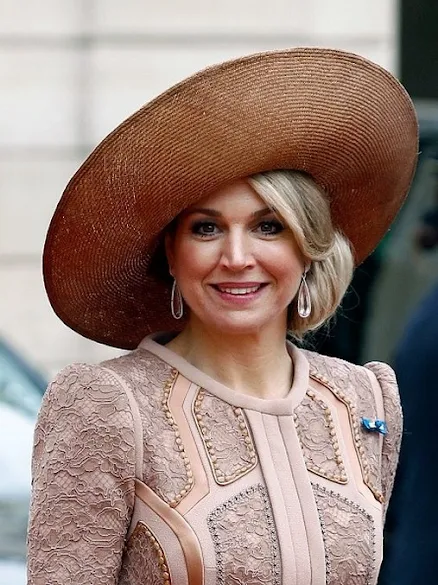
204,228
270,227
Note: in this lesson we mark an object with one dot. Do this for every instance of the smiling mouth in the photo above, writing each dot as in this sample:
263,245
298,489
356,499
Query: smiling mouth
238,290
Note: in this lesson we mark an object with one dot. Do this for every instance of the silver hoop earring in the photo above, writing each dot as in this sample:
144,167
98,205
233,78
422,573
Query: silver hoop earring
304,304
176,302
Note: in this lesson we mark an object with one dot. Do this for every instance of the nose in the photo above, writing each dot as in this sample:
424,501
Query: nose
237,252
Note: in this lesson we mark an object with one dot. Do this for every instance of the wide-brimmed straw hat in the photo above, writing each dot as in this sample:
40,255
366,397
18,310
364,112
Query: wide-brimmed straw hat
337,116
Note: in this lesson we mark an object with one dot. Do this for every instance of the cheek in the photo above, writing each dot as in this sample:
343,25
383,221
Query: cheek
193,259
286,264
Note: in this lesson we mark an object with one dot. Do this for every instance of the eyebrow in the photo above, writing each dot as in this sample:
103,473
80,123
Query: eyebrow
215,213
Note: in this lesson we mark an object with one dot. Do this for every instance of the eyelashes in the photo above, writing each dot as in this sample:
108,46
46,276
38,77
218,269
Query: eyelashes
204,228
271,227
208,228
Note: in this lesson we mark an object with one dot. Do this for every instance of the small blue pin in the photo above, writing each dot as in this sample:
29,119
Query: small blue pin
375,424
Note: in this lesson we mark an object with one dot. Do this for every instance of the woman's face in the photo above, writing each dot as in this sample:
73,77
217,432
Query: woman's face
237,266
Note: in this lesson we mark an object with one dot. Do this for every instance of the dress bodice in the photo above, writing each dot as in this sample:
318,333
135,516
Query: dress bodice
159,474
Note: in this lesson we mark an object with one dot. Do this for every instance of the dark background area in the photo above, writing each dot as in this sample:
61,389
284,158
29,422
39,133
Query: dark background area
419,47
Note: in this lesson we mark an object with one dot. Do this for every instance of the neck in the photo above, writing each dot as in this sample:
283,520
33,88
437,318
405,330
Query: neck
257,364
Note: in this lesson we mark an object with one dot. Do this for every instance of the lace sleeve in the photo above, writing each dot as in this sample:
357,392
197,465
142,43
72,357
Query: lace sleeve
394,419
83,480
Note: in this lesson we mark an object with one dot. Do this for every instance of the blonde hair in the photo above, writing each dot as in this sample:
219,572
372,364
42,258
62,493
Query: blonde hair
302,204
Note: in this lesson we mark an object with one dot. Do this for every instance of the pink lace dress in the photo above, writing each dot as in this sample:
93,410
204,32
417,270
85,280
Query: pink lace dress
148,472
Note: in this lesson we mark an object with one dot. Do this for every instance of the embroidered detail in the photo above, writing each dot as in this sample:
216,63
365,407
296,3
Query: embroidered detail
245,539
349,539
328,565
317,435
226,437
144,561
166,466
353,388
394,419
83,479
167,391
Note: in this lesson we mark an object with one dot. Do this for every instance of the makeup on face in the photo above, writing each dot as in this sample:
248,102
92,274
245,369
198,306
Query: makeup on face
235,261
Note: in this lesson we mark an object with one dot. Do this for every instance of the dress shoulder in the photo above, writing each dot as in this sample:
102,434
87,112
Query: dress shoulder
363,389
83,470
165,467
387,381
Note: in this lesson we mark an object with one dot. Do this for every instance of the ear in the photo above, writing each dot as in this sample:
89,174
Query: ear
169,248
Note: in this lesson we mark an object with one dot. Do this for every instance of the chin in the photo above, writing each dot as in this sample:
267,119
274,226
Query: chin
238,327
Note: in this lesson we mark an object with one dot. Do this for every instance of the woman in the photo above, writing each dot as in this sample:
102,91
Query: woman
217,451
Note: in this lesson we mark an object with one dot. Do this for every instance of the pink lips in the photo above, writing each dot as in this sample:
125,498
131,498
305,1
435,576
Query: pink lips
237,284
239,292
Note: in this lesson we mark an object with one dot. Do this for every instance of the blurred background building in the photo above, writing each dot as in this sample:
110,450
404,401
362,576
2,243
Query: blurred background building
71,70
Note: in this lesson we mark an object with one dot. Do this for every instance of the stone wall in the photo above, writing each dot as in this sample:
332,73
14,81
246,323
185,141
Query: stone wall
70,70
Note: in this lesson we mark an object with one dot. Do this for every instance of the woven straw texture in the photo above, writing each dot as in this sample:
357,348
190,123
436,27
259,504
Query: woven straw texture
335,115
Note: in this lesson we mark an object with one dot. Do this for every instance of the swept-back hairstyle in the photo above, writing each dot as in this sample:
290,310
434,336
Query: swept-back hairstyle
303,206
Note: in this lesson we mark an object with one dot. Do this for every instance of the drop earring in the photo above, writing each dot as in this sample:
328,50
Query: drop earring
304,304
176,302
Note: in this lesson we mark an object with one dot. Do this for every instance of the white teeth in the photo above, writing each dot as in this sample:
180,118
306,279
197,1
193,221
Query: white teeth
239,291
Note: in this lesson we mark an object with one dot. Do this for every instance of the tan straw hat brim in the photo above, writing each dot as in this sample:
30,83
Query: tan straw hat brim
339,117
